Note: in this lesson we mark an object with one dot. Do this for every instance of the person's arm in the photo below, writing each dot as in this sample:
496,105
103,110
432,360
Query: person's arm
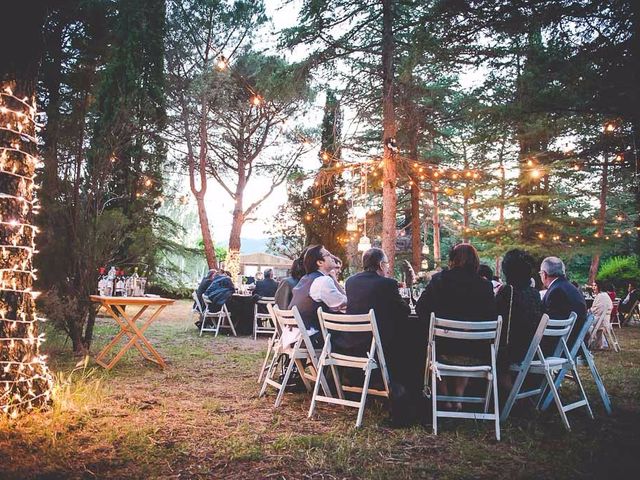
426,303
324,290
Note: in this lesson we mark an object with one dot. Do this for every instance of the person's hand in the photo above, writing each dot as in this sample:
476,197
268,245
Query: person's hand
333,274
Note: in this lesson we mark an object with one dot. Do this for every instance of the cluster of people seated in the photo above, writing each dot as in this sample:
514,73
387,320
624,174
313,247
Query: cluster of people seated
462,291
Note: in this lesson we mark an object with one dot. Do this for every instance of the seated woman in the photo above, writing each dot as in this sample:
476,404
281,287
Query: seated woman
601,309
521,308
458,293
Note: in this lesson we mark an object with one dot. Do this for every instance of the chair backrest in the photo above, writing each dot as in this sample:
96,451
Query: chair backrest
197,302
266,300
206,301
274,317
465,329
285,318
365,322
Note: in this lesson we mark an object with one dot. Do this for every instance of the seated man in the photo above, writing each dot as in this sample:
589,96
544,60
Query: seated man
561,297
317,289
220,291
624,309
266,287
372,289
204,284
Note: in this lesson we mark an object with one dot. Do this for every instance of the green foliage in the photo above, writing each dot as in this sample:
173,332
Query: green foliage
619,270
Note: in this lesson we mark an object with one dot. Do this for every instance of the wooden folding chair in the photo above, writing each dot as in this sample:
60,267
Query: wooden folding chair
374,360
222,316
297,354
464,330
262,322
578,348
549,367
273,345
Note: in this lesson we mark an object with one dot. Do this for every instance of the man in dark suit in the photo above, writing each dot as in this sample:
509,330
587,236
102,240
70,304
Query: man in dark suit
561,297
266,287
371,289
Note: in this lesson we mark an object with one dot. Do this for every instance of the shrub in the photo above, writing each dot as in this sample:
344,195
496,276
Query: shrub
619,270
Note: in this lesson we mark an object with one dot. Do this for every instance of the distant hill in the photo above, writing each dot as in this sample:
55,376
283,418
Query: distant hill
251,245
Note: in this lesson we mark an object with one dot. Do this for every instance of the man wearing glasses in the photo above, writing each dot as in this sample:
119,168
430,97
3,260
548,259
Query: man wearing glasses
318,288
561,297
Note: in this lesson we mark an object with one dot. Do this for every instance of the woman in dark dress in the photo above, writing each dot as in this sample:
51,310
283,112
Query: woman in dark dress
521,309
458,293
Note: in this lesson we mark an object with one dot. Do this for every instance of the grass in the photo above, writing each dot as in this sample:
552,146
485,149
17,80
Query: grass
200,418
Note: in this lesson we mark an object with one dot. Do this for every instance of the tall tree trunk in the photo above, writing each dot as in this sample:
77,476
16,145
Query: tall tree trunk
199,170
602,218
416,244
233,257
25,376
389,172
436,226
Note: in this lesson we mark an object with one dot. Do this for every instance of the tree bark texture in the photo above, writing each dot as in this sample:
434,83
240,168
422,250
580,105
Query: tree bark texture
602,219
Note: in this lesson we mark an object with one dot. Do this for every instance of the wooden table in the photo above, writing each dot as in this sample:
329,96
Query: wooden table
127,322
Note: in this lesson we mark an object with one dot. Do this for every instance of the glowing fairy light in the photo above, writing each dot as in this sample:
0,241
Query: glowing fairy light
24,377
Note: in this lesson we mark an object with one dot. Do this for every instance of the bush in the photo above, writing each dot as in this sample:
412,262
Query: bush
619,270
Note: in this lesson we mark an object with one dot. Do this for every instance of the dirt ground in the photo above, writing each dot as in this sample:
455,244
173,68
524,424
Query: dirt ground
201,418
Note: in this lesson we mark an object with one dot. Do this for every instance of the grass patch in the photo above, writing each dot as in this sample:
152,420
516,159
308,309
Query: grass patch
201,418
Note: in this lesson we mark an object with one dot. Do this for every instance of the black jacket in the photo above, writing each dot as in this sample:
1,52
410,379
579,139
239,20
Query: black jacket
368,290
457,294
561,299
266,287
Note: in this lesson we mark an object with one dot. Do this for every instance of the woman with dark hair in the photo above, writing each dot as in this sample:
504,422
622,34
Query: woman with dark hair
458,293
521,309
284,293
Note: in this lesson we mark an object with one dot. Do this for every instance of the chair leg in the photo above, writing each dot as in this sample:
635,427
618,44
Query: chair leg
316,387
496,407
218,324
606,401
513,395
434,400
269,375
255,328
556,397
487,396
233,329
271,345
582,392
283,385
363,397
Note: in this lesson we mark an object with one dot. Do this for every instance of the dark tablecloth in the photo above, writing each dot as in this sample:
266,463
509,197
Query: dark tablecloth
241,310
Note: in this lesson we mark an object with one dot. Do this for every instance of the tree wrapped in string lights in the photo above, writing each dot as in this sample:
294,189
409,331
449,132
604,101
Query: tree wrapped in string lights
25,381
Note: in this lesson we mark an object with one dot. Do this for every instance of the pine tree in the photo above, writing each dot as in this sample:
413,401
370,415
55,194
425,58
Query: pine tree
326,222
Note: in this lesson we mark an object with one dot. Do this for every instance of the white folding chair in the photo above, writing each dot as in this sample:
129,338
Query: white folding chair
222,316
470,331
297,354
579,347
331,323
262,322
273,345
197,309
615,316
550,367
